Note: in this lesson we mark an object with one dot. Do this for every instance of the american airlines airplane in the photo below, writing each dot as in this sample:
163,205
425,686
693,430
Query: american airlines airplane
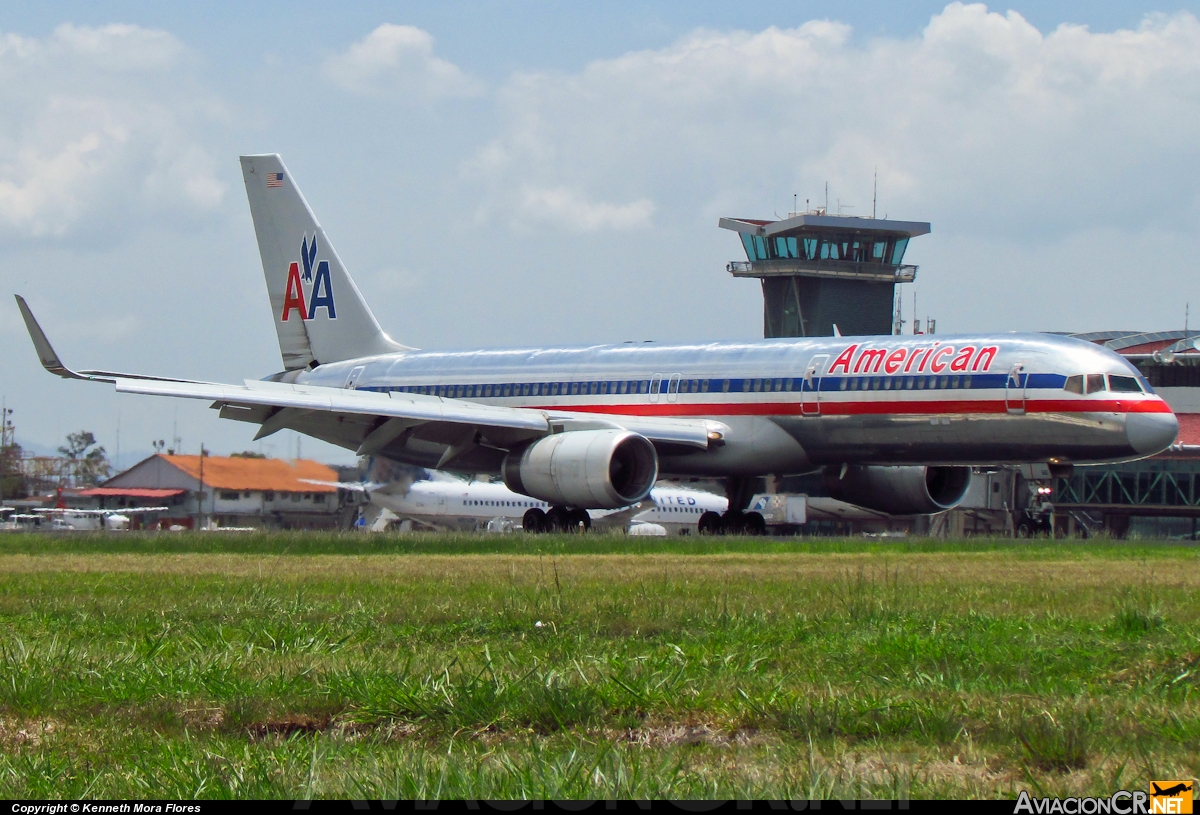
894,422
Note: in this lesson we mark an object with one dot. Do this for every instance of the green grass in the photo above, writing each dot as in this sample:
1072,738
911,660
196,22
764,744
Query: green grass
298,665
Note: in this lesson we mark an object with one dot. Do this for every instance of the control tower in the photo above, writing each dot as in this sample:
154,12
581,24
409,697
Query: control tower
820,270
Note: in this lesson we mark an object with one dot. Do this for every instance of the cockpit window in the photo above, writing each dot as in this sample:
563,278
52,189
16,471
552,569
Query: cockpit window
1124,384
1095,383
1074,384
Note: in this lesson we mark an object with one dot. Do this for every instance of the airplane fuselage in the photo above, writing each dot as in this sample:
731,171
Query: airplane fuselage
790,405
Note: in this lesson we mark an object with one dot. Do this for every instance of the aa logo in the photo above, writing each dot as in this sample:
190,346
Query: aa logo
1171,797
315,283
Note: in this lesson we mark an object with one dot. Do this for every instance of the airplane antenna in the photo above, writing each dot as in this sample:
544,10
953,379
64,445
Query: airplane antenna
875,192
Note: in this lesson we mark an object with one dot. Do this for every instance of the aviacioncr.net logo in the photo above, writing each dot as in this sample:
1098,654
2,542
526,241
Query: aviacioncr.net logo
314,283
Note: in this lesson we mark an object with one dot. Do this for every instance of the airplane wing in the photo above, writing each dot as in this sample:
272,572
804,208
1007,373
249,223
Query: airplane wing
619,518
464,433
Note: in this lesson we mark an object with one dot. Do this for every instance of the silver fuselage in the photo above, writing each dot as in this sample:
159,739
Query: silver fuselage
791,405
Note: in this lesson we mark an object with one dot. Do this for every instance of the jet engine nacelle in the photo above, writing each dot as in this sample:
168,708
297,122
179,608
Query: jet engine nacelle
588,469
900,490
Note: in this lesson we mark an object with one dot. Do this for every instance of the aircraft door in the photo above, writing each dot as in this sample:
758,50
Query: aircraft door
673,388
1014,390
655,384
810,386
352,380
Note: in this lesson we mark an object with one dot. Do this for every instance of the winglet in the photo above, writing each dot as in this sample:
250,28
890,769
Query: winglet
41,344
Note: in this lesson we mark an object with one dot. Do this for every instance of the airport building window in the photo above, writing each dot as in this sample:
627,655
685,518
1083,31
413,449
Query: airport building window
226,495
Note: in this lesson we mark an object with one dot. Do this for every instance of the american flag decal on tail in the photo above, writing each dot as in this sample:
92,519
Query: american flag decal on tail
274,179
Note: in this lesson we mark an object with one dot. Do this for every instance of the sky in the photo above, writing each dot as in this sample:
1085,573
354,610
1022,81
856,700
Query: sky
536,173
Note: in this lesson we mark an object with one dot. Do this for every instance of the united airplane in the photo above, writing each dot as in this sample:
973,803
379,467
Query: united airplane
894,422
448,502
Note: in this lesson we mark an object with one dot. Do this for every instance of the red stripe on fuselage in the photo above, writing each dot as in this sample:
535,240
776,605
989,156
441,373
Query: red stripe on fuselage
898,408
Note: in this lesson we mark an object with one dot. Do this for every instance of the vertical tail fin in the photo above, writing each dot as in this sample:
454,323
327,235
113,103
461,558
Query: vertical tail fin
320,315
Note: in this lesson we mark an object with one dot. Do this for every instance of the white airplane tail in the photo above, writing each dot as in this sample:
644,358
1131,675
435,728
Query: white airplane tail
320,315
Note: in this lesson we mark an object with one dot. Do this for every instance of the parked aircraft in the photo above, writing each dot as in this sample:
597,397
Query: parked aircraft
92,520
451,503
894,421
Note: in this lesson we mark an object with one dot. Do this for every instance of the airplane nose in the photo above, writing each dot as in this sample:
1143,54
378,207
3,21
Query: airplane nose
1151,433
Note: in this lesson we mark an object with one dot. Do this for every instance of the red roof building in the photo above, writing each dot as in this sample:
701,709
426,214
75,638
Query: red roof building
228,491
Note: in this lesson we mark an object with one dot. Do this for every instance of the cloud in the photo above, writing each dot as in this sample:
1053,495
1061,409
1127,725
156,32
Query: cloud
98,127
982,123
567,208
398,60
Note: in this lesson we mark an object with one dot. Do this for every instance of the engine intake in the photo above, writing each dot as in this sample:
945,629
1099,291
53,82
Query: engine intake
900,490
589,469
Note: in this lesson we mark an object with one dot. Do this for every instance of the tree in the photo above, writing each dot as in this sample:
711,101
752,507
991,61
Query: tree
247,454
88,460
12,481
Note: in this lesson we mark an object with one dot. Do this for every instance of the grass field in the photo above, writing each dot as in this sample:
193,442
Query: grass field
309,665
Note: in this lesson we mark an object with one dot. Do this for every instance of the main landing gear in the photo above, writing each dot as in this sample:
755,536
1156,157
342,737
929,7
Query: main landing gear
558,519
735,521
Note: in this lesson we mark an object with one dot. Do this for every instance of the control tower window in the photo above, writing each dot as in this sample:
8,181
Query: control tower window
898,250
1074,384
748,243
1123,384
1095,383
878,249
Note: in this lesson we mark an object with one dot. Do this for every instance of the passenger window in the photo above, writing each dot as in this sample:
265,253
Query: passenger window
574,388
1074,384
842,384
966,381
704,385
945,382
643,386
725,386
920,383
1123,384
1095,383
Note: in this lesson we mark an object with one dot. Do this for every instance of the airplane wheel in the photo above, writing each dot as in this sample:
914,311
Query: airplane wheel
556,520
578,521
709,523
534,521
1024,530
754,524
